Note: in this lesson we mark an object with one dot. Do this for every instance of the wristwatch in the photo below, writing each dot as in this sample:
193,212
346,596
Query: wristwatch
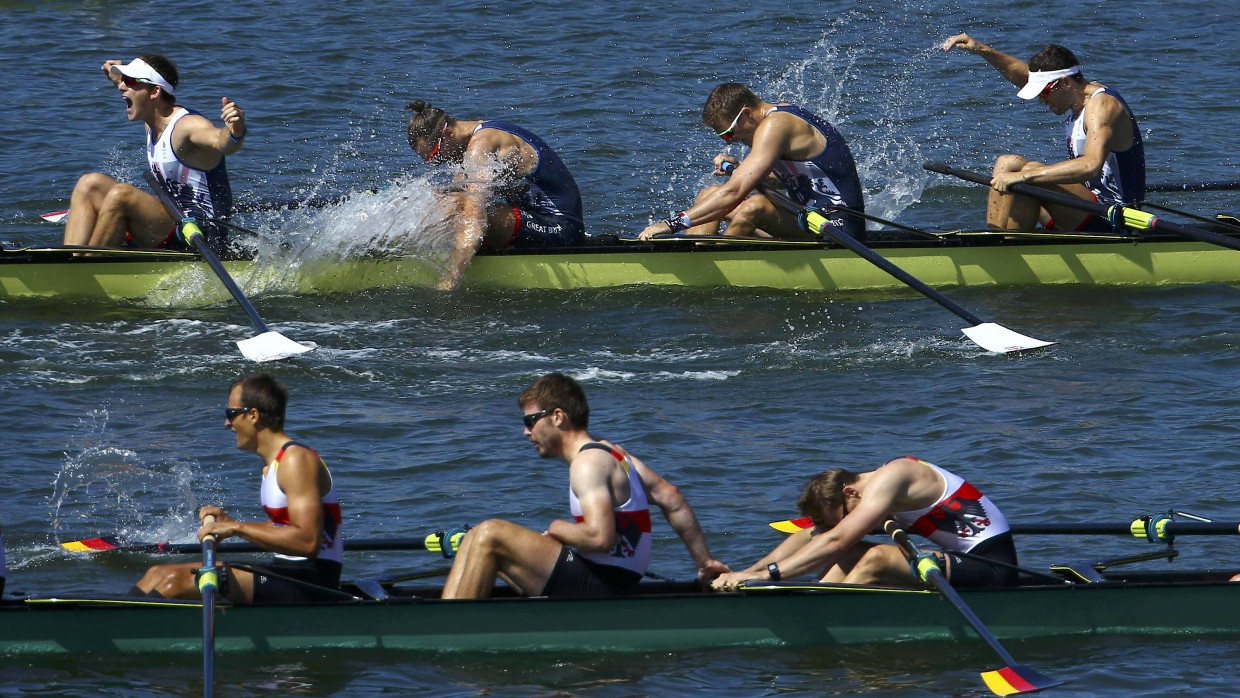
773,570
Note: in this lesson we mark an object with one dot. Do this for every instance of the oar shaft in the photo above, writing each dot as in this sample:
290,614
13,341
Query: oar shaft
208,585
1173,528
1054,197
1194,186
940,582
429,543
878,260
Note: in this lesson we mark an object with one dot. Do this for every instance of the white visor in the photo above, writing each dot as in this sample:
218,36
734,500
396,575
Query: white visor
1040,79
139,70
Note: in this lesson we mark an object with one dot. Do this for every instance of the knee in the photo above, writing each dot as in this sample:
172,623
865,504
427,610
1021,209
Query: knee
484,537
1010,163
121,196
93,183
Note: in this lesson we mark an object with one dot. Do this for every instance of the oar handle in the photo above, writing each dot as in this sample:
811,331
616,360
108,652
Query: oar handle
1131,217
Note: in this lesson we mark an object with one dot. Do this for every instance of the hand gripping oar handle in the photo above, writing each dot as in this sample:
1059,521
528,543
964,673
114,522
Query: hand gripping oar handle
1013,678
208,584
1131,217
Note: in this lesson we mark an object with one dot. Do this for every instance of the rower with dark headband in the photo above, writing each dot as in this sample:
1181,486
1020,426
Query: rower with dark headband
517,191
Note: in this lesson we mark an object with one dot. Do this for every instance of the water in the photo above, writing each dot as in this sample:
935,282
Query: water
735,395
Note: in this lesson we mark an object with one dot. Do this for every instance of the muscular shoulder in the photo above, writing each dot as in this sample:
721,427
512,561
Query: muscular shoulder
299,466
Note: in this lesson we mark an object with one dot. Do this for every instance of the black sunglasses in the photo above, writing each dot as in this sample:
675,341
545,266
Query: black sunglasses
231,413
532,418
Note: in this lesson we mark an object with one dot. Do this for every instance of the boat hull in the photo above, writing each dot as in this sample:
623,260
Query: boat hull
779,615
176,279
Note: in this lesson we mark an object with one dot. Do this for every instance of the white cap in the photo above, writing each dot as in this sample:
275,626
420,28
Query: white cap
141,71
1040,79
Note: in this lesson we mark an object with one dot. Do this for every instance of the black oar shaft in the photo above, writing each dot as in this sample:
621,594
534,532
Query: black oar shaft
879,261
1153,223
1173,528
191,232
1194,186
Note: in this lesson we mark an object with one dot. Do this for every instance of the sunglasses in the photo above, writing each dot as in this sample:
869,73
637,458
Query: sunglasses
133,83
726,134
1047,90
231,413
532,418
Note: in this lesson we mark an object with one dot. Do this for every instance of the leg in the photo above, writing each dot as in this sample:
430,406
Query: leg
525,559
1011,211
881,564
705,228
127,209
177,582
84,206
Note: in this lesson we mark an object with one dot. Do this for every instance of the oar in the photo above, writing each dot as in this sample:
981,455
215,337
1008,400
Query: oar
432,543
1133,218
208,583
1151,528
1217,220
1194,186
60,216
987,335
266,346
1011,679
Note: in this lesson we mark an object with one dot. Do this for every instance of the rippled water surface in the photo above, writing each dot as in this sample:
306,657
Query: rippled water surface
112,410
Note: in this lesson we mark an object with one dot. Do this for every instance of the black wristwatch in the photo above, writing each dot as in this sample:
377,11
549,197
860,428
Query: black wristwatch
773,570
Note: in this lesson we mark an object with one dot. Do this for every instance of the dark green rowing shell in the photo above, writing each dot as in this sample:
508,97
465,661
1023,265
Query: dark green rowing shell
665,617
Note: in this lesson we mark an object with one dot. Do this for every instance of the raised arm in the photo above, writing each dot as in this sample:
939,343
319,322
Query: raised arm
1015,70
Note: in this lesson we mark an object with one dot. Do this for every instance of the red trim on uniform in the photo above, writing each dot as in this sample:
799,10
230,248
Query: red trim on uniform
1084,221
928,523
516,225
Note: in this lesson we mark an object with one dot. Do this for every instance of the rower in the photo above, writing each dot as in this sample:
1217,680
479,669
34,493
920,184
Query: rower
297,492
976,543
185,152
517,191
605,549
1106,156
802,150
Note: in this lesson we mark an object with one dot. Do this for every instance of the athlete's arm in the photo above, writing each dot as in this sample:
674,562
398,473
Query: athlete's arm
588,476
1015,70
298,476
1102,115
770,140
681,518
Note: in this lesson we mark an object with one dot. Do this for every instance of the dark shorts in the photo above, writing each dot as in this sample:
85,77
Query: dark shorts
541,230
285,582
966,572
573,575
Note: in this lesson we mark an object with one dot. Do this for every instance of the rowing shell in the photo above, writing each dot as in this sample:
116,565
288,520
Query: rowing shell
181,279
666,616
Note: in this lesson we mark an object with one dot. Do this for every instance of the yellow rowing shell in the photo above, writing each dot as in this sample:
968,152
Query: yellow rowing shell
177,279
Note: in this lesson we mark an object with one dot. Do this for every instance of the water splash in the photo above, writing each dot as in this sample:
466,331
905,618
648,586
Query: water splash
106,489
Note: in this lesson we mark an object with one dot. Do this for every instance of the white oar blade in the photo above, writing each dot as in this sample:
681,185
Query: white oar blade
1001,340
270,346
54,216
